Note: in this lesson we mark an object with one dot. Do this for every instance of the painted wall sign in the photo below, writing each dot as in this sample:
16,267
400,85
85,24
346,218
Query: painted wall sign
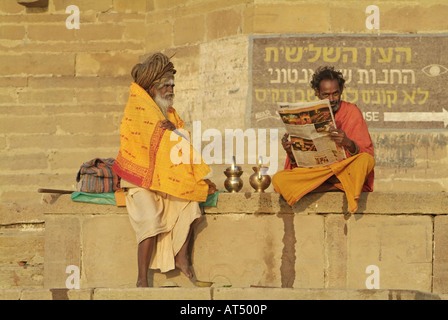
398,81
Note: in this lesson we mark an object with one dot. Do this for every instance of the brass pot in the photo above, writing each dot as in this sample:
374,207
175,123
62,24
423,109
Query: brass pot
259,180
233,183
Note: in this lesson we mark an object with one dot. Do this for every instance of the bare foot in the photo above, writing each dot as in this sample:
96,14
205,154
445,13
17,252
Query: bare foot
184,266
142,284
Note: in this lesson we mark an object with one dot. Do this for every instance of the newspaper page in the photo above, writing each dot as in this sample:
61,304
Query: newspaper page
308,125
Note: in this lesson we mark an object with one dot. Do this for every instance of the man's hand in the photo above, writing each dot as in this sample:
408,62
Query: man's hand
342,140
167,124
211,186
286,144
339,137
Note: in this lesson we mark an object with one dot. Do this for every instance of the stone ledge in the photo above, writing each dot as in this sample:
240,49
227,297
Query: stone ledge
432,203
334,202
216,294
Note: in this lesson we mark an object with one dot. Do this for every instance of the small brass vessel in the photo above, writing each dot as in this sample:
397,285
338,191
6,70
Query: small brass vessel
260,180
233,183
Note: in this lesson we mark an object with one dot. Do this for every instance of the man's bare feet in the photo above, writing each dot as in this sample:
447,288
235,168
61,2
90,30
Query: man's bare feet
183,265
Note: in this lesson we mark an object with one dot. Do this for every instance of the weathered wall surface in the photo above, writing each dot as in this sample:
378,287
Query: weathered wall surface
258,240
62,91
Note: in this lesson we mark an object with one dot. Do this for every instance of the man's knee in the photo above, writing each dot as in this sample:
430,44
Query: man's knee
367,159
276,177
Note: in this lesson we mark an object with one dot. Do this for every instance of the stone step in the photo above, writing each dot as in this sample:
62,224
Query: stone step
213,293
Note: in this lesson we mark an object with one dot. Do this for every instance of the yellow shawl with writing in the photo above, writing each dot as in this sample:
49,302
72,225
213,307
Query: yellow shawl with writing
146,150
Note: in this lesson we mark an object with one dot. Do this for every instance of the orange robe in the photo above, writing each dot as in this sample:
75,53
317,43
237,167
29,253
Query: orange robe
355,173
146,149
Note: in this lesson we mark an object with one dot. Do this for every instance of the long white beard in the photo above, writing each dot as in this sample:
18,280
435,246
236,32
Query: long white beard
163,103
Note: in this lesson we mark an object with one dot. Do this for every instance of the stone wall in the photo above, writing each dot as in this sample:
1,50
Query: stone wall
395,241
62,91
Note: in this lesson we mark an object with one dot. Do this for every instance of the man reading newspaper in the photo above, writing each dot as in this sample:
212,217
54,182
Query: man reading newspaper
352,175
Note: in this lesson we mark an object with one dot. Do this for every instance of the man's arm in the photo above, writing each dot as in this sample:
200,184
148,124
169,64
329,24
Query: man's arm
355,129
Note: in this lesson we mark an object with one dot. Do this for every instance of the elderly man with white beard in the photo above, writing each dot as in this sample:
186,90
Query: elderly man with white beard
162,197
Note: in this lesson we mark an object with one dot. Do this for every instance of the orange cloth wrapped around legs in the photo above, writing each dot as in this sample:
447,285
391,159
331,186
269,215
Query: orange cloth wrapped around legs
352,172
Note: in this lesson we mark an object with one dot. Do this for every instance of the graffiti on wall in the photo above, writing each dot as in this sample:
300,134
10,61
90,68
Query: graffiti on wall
396,80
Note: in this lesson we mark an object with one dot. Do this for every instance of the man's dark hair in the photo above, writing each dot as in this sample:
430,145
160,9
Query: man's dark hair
327,73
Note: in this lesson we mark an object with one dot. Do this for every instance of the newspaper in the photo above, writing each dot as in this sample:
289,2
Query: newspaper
308,125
